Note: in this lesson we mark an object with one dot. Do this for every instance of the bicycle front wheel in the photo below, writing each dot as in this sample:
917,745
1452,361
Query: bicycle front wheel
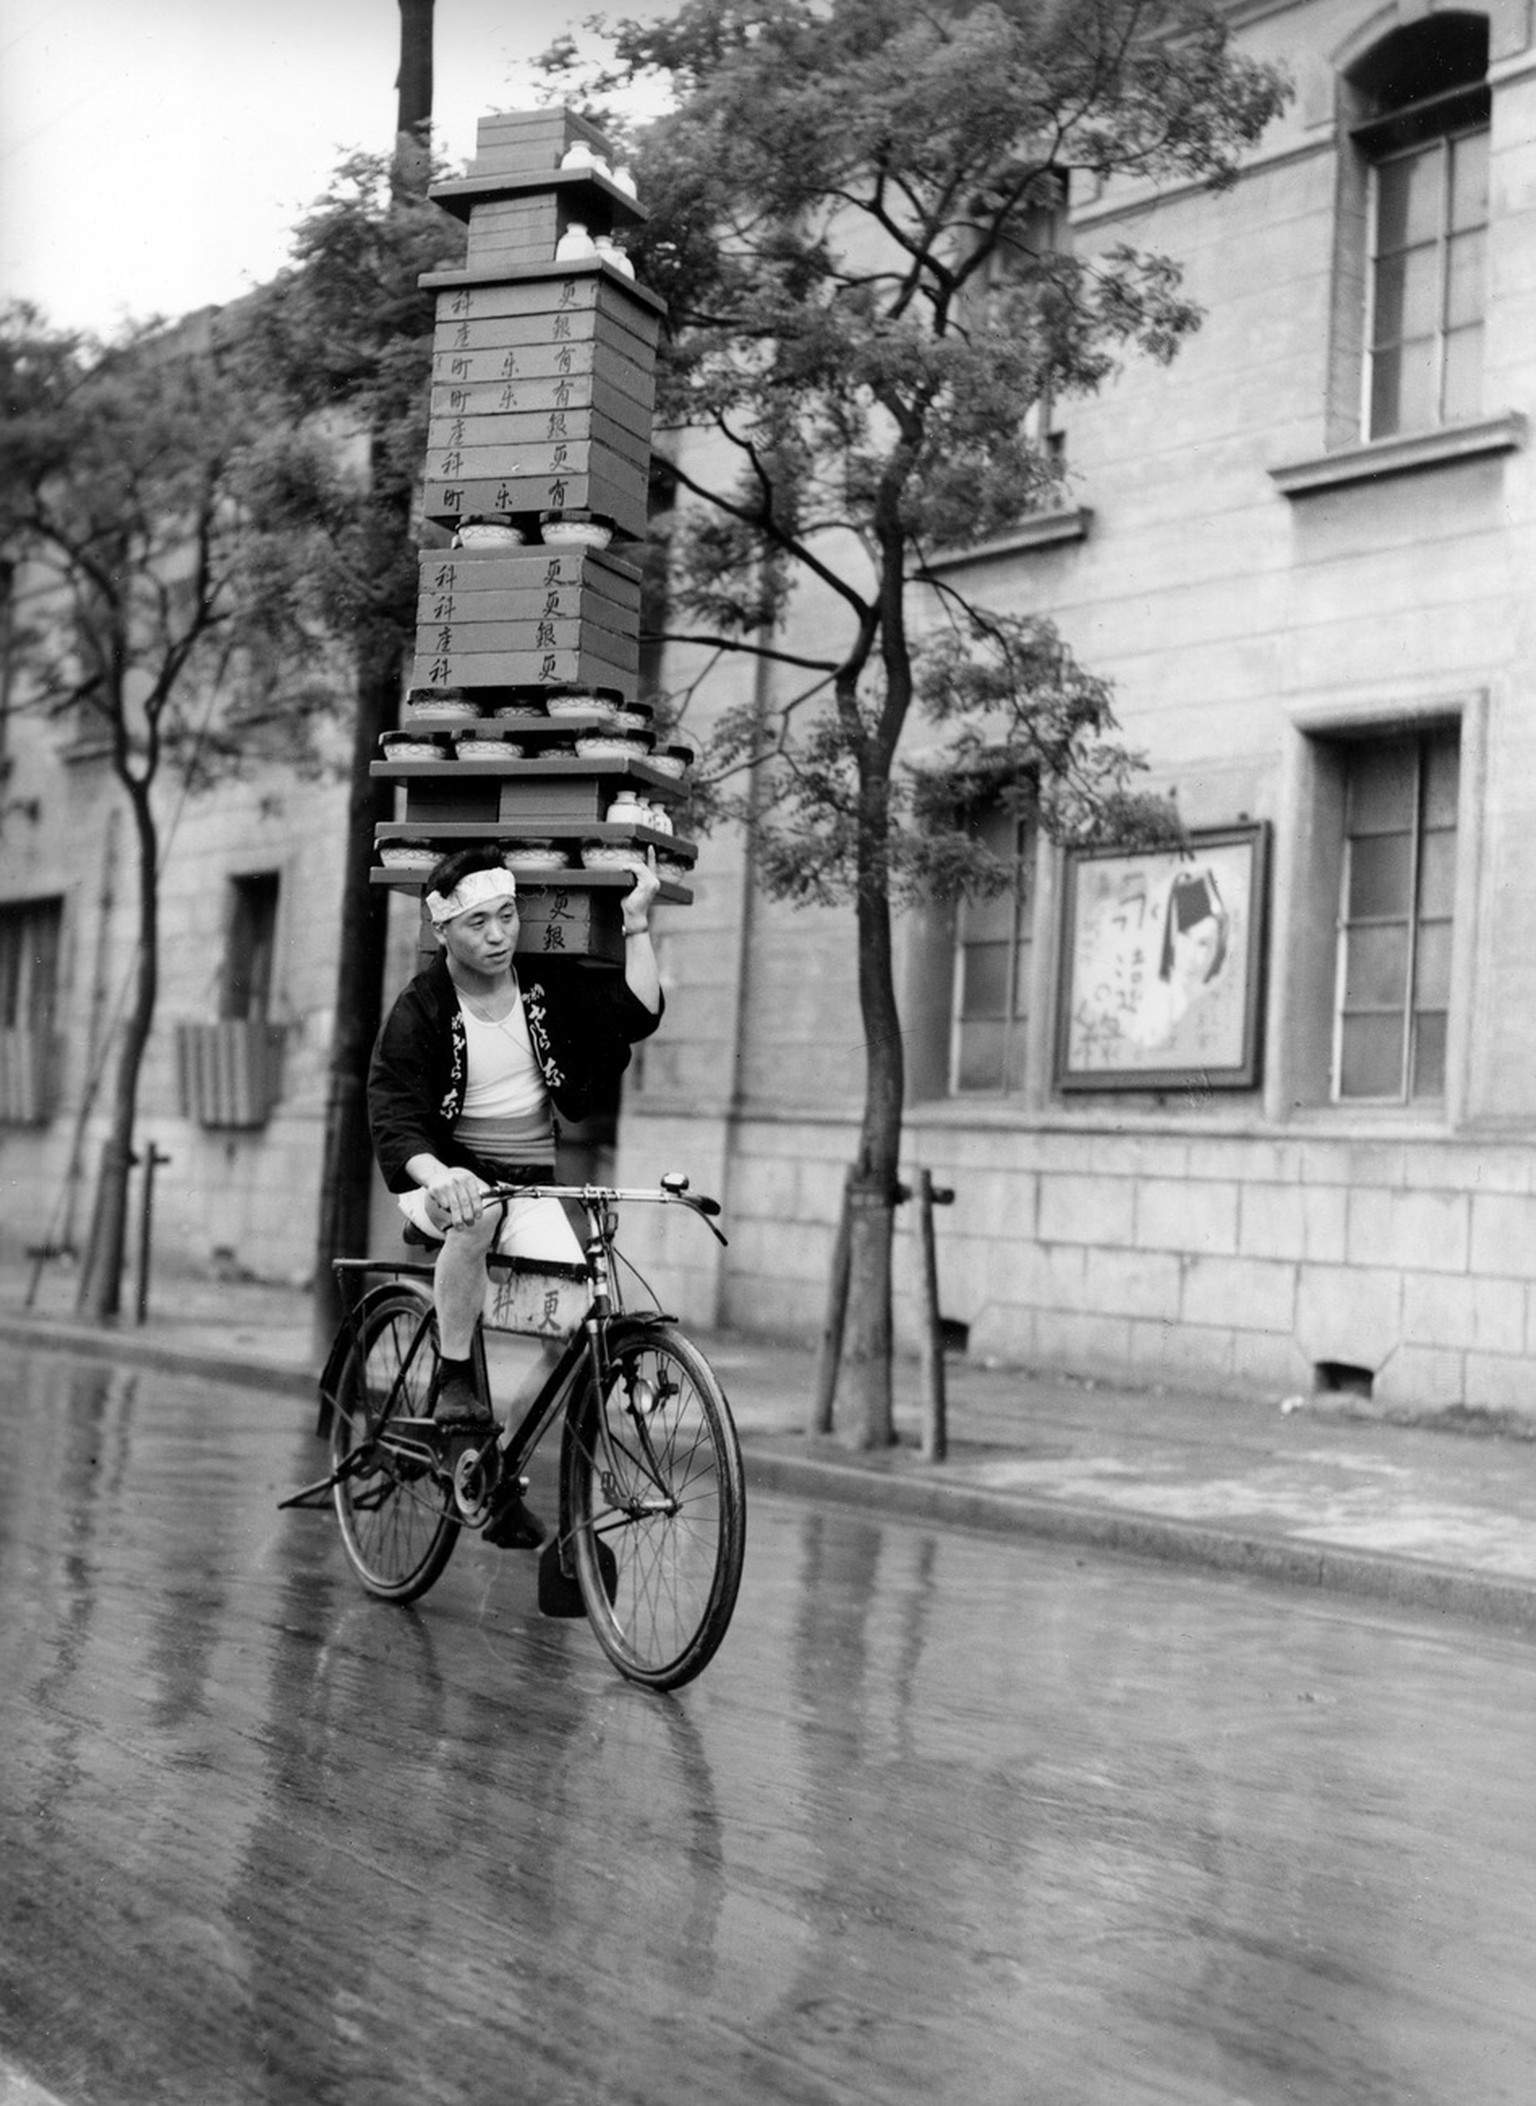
655,1503
396,1513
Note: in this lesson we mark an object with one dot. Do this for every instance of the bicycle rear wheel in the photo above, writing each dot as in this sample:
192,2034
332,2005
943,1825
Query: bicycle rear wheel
657,1512
396,1513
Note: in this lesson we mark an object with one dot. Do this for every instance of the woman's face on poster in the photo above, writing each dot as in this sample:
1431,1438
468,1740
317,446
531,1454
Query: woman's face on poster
1197,951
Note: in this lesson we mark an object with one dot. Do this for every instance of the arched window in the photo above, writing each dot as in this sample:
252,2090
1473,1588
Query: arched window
1420,130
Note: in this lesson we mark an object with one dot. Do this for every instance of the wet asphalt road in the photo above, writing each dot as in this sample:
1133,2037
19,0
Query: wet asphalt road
949,1819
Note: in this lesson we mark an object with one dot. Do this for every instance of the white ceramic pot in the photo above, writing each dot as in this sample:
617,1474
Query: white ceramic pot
576,533
603,855
400,746
533,860
472,747
602,745
443,709
610,252
477,533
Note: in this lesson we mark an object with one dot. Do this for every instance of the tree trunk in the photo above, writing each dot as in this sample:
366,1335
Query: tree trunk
99,1295
346,1180
867,1338
413,93
346,1170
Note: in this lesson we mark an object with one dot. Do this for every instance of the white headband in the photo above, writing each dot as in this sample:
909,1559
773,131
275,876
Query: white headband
477,889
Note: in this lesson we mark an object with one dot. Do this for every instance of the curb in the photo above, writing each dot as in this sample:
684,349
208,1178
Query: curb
1370,1575
128,1350
1420,1584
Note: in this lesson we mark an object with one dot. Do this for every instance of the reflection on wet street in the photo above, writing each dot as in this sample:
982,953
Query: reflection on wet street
949,1819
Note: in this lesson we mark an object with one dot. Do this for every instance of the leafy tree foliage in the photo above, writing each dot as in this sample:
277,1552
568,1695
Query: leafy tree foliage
855,209
127,474
344,341
214,523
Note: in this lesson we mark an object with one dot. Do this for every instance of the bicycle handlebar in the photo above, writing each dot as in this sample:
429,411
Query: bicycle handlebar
670,1192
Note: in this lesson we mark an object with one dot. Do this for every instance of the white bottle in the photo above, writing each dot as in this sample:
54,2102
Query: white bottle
574,242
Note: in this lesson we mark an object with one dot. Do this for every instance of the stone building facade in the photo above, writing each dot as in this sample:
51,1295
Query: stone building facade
1303,554
233,1085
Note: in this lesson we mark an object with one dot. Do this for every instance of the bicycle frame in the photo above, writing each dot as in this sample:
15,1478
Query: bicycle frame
586,1344
652,1497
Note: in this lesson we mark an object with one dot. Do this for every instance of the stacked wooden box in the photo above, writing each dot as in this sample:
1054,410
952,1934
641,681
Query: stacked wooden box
524,725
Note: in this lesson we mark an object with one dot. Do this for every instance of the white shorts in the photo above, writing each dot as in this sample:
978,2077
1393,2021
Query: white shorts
530,1228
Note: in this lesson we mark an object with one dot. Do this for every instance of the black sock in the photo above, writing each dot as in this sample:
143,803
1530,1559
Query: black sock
447,1367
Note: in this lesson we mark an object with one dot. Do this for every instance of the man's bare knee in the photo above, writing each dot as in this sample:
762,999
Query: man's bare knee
471,1240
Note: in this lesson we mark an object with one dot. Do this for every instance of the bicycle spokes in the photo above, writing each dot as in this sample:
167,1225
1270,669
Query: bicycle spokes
392,1498
654,1477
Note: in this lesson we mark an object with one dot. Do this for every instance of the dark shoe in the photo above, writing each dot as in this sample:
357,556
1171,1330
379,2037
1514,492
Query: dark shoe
513,1526
459,1405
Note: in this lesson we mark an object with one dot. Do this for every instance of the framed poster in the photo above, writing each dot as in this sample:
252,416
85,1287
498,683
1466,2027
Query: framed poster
1162,957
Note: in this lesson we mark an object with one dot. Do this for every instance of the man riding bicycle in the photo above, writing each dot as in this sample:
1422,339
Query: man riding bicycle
471,1066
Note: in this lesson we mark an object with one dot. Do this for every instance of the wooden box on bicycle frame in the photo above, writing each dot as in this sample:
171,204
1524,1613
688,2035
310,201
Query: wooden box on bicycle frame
534,1298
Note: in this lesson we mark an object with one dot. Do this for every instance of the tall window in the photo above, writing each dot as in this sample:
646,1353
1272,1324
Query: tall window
29,963
993,950
30,932
1426,143
247,990
1019,271
1396,918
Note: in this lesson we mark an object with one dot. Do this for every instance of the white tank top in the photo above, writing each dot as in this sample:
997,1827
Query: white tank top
506,1111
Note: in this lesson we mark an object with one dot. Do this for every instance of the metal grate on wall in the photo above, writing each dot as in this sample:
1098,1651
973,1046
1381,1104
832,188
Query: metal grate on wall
229,1074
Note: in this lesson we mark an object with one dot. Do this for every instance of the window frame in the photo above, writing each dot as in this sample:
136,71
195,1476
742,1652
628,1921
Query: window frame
1011,265
252,932
1388,101
31,995
1441,144
1309,834
1412,920
1022,971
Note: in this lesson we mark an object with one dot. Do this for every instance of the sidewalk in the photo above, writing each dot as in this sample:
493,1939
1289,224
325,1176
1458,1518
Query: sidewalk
1423,1516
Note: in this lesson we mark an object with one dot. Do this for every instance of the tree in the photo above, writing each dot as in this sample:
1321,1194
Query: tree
345,340
850,210
126,475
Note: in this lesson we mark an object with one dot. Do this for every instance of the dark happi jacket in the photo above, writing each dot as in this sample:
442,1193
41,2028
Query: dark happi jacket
582,1022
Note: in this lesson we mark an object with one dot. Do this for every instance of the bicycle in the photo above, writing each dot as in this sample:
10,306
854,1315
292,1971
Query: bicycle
652,1516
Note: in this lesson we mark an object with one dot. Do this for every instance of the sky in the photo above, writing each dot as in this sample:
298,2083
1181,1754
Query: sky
155,154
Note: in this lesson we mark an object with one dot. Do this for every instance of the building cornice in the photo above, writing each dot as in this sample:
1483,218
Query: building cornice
1043,530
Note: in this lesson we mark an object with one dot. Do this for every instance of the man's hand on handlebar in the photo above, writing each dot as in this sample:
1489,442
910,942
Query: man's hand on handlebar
455,1198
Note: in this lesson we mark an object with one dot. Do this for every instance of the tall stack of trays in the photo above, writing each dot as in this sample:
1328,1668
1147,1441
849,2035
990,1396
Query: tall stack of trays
524,724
